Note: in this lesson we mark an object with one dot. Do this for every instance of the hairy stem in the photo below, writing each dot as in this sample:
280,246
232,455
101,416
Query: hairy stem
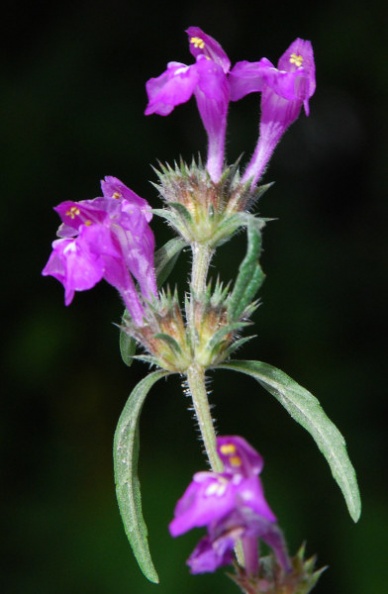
197,387
202,255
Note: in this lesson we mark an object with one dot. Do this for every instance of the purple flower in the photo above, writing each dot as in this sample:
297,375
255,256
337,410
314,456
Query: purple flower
107,237
232,506
206,79
283,92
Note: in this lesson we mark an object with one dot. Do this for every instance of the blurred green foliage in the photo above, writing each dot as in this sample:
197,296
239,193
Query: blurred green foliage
71,103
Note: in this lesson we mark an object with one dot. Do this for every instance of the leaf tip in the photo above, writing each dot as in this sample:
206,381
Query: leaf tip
355,513
152,577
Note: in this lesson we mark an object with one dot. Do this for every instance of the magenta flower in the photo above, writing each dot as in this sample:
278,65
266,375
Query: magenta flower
106,238
232,506
283,92
206,79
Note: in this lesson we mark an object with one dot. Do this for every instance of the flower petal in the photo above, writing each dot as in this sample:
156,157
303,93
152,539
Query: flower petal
247,77
208,497
300,57
202,44
175,86
238,456
74,265
114,188
209,555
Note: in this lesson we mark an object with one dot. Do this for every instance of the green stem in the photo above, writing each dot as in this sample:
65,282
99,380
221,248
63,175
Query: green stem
197,387
202,256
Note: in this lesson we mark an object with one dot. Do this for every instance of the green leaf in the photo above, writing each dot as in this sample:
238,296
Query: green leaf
182,210
166,257
126,454
261,190
170,216
127,343
250,275
306,410
238,344
169,341
220,334
226,228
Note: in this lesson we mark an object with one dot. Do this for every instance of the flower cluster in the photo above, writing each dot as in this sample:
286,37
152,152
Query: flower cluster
106,238
109,237
214,84
231,504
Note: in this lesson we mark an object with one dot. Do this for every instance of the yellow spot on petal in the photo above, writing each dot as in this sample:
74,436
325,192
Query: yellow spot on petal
116,195
228,448
235,460
296,59
88,223
197,42
73,212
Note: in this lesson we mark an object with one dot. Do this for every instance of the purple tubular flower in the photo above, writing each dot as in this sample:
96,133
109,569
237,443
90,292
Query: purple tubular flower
232,506
107,237
206,79
283,92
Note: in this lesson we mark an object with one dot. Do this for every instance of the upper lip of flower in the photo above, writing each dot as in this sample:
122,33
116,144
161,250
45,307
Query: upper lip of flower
202,44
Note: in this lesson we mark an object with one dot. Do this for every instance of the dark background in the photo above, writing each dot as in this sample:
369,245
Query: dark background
71,103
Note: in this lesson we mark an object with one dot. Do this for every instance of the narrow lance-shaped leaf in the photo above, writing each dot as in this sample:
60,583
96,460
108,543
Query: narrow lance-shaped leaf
127,343
126,454
173,217
306,410
182,210
166,257
250,275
